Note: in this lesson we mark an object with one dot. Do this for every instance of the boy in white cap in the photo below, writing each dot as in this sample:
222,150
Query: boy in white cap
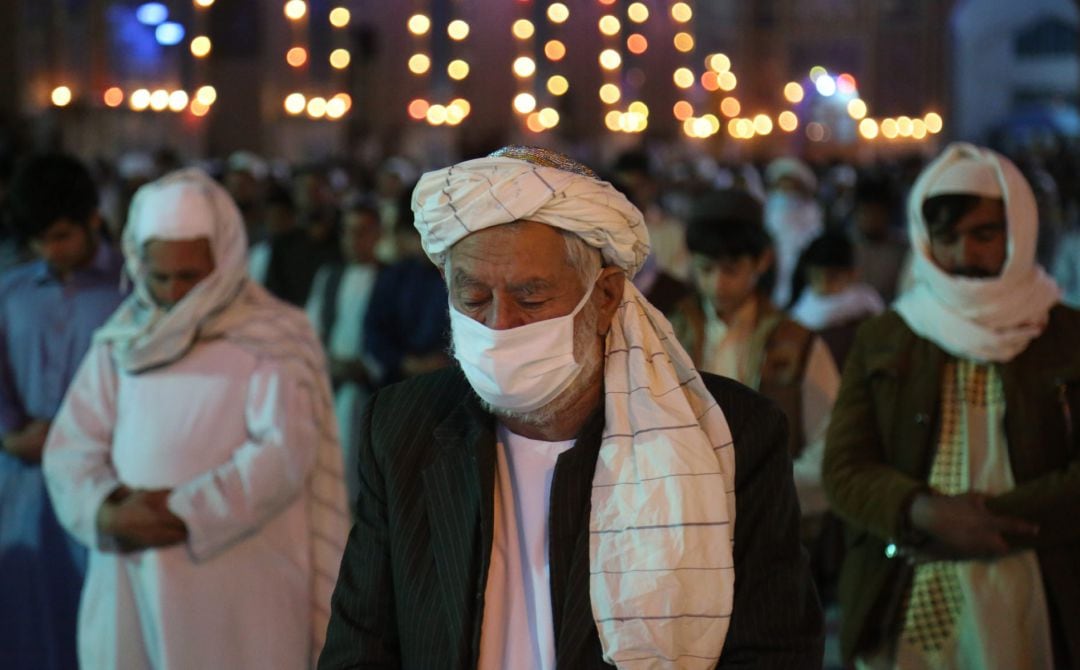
952,452
196,455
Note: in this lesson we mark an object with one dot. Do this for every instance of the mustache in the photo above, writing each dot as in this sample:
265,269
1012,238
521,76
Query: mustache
972,272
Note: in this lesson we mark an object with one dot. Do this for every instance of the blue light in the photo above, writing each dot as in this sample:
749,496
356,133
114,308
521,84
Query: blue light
152,13
169,33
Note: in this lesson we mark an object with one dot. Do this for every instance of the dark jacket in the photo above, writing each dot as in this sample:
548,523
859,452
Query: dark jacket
880,448
410,593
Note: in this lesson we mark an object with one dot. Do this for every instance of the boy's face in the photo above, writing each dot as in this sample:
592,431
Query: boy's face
67,245
728,283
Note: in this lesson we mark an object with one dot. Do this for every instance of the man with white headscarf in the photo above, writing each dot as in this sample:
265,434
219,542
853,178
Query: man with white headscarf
573,493
953,454
196,455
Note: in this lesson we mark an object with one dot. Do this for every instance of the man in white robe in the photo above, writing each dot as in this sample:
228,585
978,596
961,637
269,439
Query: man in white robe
196,455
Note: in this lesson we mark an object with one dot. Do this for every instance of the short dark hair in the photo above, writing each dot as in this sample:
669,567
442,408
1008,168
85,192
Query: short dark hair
49,187
831,250
726,225
942,212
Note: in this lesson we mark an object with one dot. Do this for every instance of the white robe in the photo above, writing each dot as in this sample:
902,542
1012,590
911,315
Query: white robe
235,438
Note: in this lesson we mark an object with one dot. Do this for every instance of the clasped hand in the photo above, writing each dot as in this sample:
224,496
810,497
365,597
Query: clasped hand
138,519
961,527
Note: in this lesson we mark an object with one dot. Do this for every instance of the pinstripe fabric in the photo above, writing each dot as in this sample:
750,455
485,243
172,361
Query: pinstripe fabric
411,585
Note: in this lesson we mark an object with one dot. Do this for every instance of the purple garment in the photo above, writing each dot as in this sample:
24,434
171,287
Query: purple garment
45,329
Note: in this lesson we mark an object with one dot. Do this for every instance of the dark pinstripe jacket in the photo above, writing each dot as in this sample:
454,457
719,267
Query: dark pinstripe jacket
410,592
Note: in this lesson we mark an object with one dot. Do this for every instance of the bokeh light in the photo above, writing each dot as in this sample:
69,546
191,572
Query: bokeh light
206,95
295,9
316,107
888,128
856,108
457,30
763,125
557,85
934,123
683,77
793,92
637,44
457,69
609,25
868,128
340,17
787,121
419,63
683,110
159,100
727,80
718,63
201,46
61,96
523,29
554,50
113,96
178,101
419,24
681,12
524,103
610,94
557,12
524,66
418,109
340,58
436,115
295,103
296,56
730,107
139,100
638,12
684,42
610,59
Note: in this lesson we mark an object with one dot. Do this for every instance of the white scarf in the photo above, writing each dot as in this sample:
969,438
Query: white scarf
186,205
663,498
990,319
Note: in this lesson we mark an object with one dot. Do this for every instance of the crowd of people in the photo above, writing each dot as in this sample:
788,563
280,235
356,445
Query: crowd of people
841,398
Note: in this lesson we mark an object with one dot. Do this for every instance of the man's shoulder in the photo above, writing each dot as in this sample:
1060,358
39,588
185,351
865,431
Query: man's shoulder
740,403
421,399
19,276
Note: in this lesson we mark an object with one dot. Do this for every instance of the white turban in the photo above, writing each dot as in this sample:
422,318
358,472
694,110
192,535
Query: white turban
663,496
984,319
523,183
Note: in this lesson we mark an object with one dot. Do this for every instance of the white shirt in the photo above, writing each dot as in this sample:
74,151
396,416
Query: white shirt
517,629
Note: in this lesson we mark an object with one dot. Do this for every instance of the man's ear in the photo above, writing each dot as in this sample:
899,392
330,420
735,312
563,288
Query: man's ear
609,293
764,261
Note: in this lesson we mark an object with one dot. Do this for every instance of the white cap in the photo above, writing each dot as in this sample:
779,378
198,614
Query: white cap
178,210
966,177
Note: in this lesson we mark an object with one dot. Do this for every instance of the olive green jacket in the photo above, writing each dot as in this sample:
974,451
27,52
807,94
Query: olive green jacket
880,447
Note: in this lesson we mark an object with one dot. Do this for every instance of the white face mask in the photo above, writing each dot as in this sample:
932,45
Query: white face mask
519,369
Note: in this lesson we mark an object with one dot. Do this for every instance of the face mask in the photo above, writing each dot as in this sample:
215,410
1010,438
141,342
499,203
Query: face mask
519,369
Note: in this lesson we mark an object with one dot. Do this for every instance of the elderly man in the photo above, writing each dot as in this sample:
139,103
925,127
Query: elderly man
574,492
953,452
195,455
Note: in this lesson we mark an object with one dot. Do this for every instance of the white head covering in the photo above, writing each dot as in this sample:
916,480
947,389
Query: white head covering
788,166
188,204
663,496
984,319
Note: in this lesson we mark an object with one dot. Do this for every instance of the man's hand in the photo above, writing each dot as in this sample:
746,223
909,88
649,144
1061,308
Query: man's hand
28,442
961,527
140,519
